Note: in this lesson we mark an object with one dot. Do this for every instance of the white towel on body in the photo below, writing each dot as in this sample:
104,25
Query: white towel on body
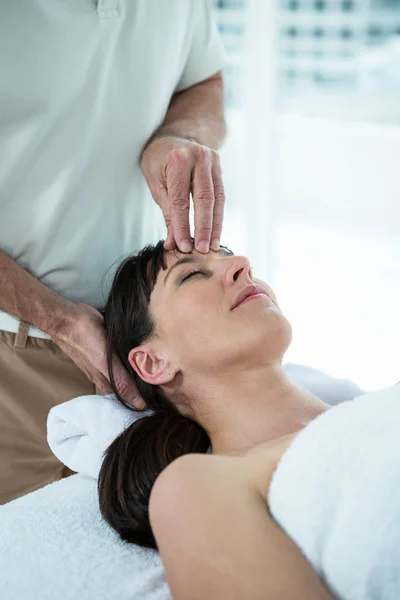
336,492
79,431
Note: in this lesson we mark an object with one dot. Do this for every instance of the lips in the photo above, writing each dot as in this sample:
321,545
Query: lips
250,290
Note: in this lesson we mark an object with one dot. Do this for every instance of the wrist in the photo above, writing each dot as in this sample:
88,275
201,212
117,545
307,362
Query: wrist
64,319
164,135
75,320
168,133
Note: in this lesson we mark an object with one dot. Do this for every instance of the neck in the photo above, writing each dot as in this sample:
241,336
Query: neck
242,411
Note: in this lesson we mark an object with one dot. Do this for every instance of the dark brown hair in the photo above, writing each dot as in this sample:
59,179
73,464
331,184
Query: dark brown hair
135,458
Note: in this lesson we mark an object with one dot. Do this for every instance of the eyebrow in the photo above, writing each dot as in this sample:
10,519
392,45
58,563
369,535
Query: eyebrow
181,261
190,260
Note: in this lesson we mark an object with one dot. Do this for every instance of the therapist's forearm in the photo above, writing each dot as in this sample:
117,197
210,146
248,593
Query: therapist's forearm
197,114
25,297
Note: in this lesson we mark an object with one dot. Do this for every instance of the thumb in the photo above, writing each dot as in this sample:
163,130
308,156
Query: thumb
170,243
126,386
163,202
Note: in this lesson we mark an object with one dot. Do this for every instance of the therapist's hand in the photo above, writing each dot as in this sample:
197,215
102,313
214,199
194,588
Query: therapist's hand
174,167
83,339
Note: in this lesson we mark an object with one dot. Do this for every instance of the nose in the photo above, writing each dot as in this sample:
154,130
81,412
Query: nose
238,268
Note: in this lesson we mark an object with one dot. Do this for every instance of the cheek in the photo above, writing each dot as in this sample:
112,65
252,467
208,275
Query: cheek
192,318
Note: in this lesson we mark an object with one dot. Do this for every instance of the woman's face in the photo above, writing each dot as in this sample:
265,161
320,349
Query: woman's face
212,315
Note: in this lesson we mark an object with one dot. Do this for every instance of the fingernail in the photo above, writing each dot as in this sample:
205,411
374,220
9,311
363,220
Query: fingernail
202,247
185,246
215,245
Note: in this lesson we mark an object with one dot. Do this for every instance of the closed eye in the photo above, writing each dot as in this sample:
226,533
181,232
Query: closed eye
191,274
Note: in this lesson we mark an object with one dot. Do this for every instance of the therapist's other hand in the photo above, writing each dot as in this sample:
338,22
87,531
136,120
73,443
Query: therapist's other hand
83,339
174,167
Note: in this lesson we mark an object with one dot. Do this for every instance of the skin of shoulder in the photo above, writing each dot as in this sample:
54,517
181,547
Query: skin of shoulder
253,469
260,463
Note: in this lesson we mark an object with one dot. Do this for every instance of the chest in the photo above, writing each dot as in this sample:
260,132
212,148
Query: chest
55,54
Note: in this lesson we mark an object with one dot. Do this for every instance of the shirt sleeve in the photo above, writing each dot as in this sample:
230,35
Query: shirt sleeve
206,52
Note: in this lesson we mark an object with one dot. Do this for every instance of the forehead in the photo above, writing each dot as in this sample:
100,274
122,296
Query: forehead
175,257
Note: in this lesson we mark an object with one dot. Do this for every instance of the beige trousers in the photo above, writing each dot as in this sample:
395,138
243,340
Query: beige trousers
35,375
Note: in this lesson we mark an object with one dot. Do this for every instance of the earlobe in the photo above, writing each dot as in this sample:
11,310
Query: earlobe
153,369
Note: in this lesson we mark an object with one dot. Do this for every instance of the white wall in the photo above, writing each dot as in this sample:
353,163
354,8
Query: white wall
349,173
325,169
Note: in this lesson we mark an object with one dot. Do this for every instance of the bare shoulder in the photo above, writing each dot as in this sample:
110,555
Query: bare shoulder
261,463
252,471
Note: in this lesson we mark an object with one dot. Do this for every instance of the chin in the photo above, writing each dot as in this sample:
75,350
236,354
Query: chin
276,338
287,336
266,341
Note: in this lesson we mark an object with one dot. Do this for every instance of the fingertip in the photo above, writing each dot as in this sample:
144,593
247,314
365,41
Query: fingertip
215,245
202,247
185,246
137,403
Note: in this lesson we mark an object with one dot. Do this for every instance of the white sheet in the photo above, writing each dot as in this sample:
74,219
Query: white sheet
54,545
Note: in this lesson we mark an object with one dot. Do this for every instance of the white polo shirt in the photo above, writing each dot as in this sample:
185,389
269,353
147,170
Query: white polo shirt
83,85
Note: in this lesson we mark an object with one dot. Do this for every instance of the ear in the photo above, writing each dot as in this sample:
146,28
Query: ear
151,367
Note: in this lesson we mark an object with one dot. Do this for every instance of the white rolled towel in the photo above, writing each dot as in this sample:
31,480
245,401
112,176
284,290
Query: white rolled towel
336,493
80,430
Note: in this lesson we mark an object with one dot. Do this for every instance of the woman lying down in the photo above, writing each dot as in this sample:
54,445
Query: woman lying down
297,500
